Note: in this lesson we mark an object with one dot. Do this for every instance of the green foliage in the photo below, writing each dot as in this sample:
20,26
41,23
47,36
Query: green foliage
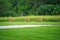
4,7
31,19
29,7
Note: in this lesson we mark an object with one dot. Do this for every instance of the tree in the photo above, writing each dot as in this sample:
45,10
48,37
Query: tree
4,7
29,7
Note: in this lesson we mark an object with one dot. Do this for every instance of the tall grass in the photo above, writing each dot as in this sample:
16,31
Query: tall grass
31,19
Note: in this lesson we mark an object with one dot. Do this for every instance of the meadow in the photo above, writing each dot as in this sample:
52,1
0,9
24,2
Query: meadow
31,19
32,33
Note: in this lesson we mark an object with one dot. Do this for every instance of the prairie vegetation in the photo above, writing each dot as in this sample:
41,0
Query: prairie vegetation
31,19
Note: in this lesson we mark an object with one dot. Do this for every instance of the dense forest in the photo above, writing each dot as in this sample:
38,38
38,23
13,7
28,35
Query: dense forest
29,7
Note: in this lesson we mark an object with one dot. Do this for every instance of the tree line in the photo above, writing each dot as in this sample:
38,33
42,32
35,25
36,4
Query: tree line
29,7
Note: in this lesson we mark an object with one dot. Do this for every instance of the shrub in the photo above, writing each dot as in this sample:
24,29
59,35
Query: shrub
39,19
11,19
27,19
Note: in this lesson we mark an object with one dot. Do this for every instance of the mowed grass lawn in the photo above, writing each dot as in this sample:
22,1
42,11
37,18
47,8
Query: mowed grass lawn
29,23
33,33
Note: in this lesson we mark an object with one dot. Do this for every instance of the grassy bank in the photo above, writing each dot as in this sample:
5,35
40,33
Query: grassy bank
34,33
20,23
31,19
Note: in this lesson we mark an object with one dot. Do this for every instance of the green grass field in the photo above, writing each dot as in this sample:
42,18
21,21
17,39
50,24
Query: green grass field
23,23
30,20
33,33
